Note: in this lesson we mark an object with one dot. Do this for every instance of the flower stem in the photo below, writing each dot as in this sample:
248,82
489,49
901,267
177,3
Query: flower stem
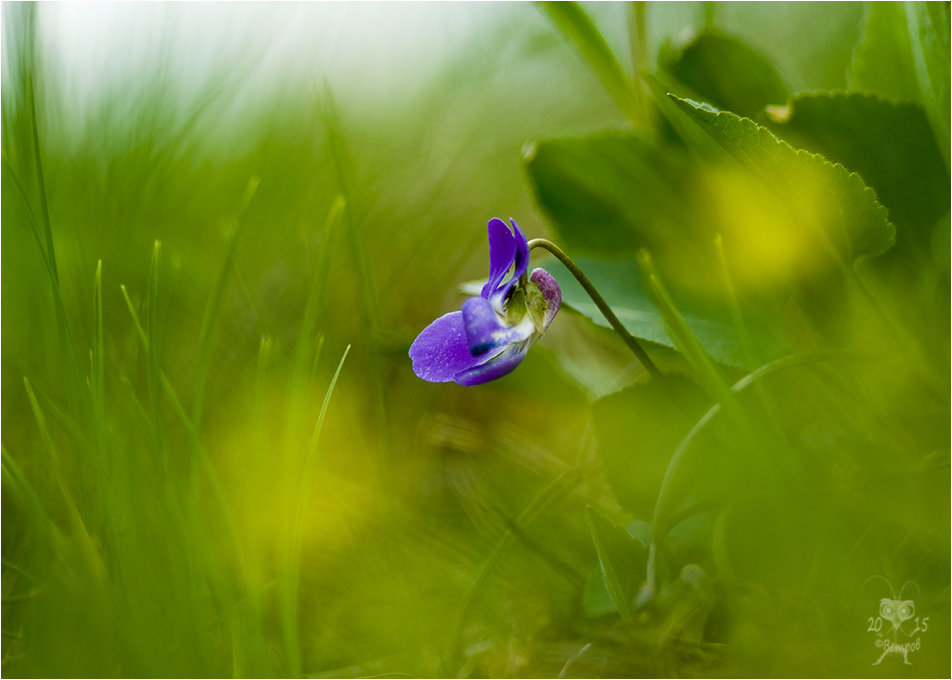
599,301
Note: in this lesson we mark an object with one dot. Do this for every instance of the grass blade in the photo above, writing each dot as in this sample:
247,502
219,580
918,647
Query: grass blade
214,305
152,346
343,166
577,28
28,499
290,608
684,339
98,378
621,557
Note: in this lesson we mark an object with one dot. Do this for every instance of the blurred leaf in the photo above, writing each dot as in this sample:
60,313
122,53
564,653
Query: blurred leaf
578,29
622,558
611,193
830,203
941,241
688,600
889,144
596,600
882,61
677,126
810,44
787,220
696,577
619,283
728,73
638,429
698,359
928,24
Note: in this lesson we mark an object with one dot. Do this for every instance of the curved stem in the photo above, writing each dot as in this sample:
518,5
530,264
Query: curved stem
599,301
662,519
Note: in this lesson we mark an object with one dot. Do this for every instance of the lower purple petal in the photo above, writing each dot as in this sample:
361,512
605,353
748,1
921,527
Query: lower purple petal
504,363
441,351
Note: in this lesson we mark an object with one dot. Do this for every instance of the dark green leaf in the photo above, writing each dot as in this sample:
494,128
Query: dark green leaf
622,558
638,429
728,73
609,194
889,144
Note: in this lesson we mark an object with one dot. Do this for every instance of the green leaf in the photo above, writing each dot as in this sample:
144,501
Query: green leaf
688,602
702,366
610,194
889,144
734,234
622,559
829,206
619,283
882,61
811,44
679,128
928,24
728,73
638,429
596,600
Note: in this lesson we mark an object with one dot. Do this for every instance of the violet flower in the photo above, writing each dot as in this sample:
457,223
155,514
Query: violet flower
492,333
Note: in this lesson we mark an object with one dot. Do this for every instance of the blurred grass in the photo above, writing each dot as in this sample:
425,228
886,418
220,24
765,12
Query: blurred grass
183,272
148,528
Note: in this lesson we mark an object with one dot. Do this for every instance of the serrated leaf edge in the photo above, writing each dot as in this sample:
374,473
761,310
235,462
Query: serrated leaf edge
851,175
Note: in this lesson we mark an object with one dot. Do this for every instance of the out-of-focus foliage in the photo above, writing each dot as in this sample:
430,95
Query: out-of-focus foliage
727,73
217,461
821,233
887,143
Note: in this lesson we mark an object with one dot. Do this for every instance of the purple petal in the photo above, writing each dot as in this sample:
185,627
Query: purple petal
522,252
550,290
502,253
505,363
520,260
441,351
485,332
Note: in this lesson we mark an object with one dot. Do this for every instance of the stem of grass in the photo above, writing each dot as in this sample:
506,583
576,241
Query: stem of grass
340,155
290,601
214,306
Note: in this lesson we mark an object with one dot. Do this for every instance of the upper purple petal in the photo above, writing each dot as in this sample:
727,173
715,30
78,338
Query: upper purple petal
520,264
502,253
522,252
441,351
504,363
520,261
485,332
